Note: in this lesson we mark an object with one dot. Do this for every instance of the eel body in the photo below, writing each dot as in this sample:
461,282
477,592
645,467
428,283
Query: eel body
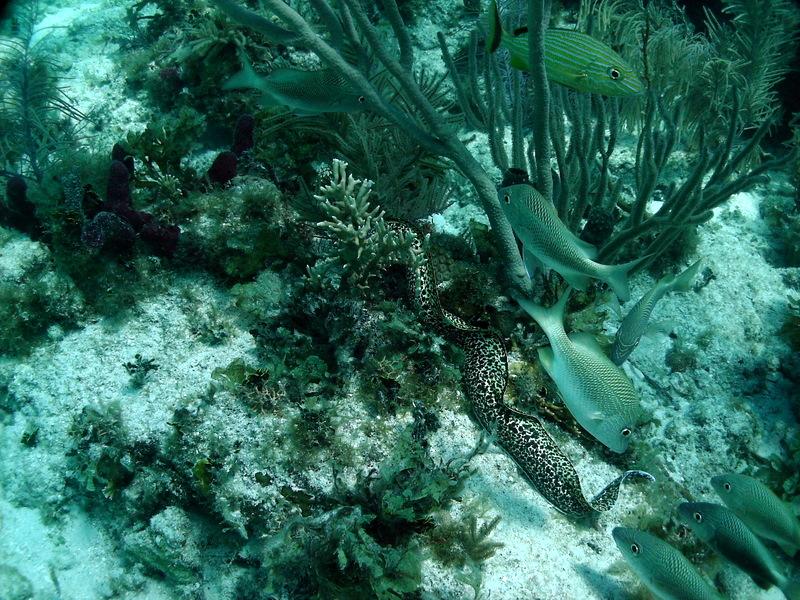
523,437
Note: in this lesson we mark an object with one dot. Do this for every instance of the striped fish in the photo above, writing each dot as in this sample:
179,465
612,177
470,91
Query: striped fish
546,239
595,390
571,58
635,322
761,510
663,569
718,527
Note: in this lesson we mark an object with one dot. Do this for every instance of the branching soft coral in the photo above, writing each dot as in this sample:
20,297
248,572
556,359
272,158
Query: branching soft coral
37,117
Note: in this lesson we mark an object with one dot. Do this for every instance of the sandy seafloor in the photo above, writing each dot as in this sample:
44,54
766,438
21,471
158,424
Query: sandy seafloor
701,419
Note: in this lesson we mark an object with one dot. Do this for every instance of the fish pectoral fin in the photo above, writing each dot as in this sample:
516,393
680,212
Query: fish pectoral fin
597,416
581,82
588,249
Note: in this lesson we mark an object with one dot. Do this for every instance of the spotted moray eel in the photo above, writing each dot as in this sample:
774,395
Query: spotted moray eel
484,378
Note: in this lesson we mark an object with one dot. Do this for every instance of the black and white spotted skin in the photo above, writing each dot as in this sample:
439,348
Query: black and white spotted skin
484,378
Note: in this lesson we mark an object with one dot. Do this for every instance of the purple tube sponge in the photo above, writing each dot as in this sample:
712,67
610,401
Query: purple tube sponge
243,139
17,211
118,196
117,224
223,169
118,152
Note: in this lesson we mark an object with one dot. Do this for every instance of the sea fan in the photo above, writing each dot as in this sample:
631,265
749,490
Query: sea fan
760,44
37,117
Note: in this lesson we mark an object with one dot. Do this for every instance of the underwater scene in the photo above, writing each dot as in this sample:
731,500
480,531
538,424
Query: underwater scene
399,299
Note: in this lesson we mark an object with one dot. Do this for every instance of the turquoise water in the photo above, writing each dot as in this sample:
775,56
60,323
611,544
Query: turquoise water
275,280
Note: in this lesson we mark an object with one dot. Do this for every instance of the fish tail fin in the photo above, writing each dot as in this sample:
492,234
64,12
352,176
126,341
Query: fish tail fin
246,78
791,589
684,281
616,276
549,319
494,28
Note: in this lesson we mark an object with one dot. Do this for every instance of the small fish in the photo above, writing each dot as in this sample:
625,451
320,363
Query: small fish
664,570
595,390
571,58
256,22
545,238
635,322
718,527
761,510
304,92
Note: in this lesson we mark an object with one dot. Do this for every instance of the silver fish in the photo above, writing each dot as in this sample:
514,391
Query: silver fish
596,391
665,571
304,92
635,322
545,237
761,510
718,527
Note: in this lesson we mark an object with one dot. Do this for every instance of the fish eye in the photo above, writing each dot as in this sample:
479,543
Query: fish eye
635,548
698,517
361,99
727,486
613,73
506,198
626,432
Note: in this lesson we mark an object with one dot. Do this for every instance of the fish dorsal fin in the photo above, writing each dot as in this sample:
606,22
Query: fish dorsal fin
590,250
585,341
577,280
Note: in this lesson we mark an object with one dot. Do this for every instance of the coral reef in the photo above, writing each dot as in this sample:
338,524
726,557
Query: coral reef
215,378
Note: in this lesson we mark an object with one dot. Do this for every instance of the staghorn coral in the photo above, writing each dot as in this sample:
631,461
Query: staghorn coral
361,239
